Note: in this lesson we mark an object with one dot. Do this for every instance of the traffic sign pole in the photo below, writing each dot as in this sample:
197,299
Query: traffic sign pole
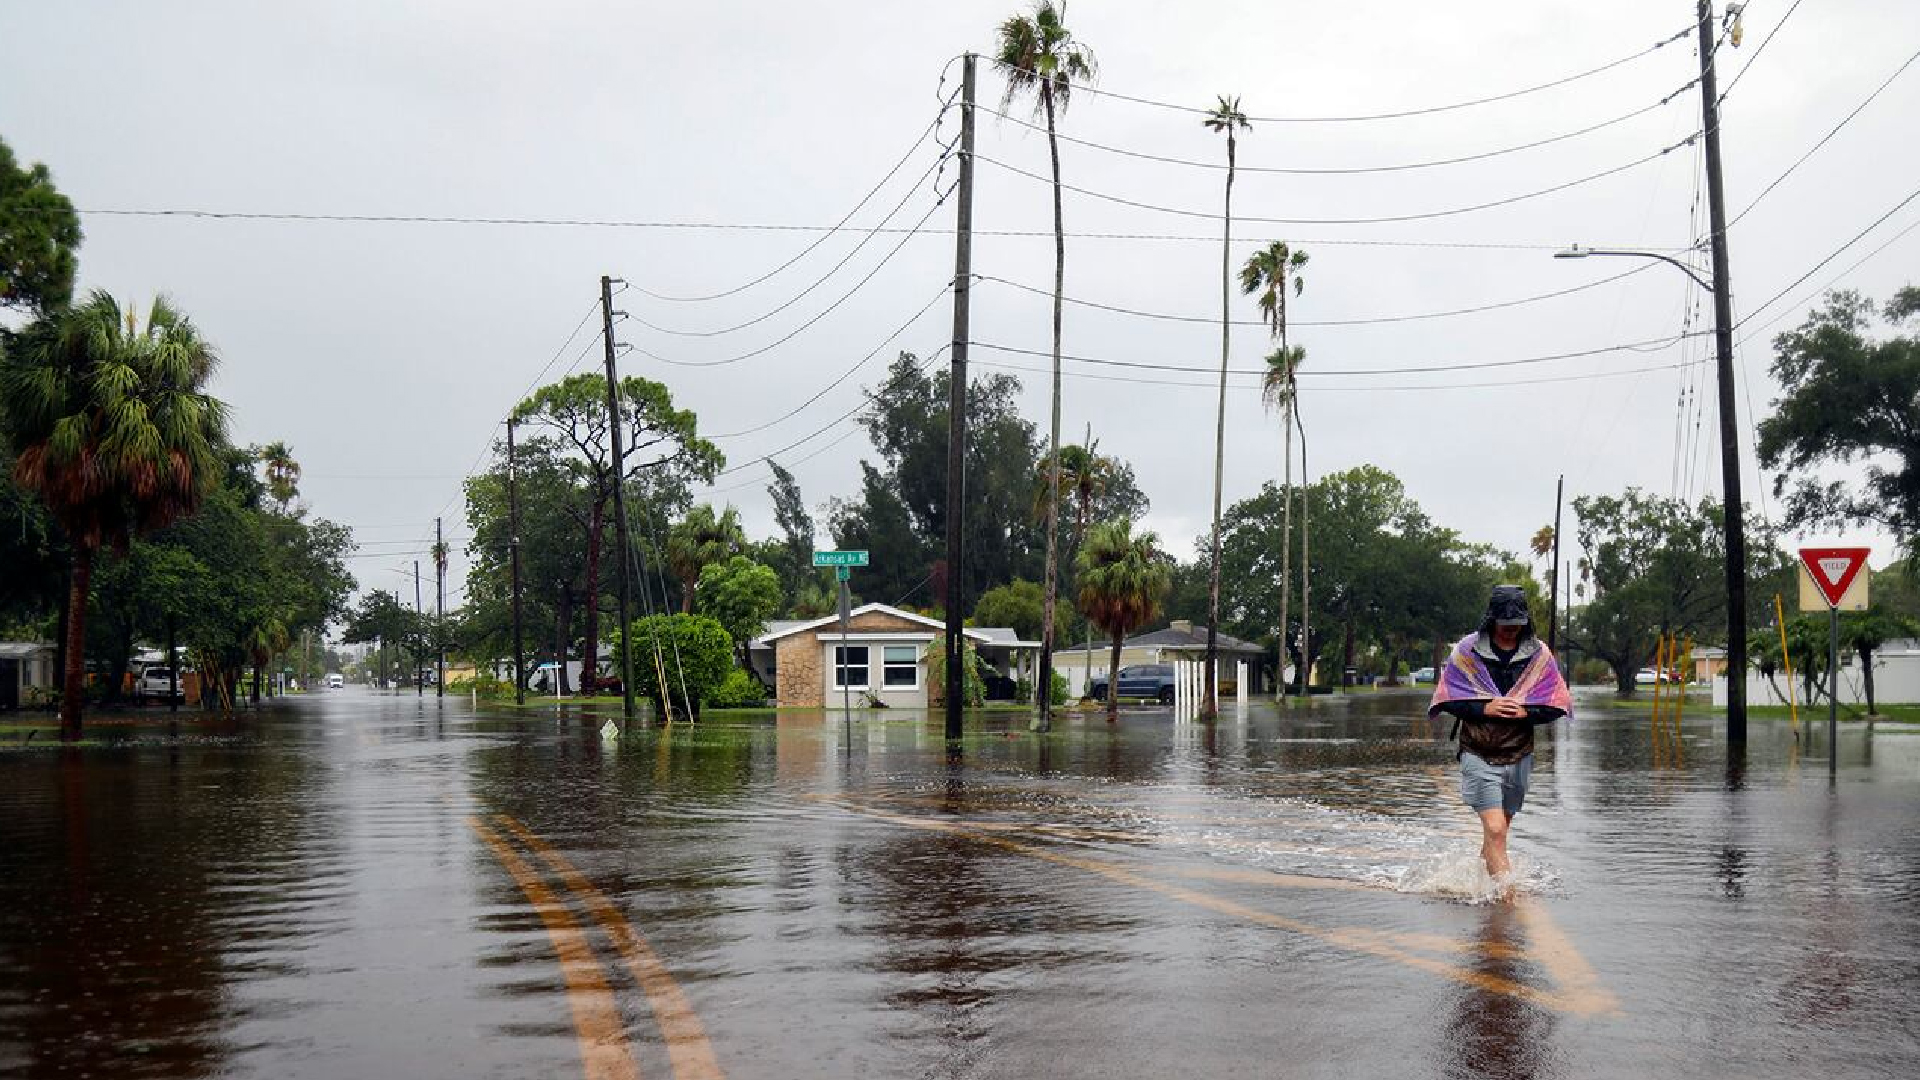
1833,692
1833,571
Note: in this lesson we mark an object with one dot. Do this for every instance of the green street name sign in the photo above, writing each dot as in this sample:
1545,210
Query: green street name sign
839,558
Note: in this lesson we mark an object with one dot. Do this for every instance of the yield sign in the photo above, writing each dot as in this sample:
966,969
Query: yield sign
1833,569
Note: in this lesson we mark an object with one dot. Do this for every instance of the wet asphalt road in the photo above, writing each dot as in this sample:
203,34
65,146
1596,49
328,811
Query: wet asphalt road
357,885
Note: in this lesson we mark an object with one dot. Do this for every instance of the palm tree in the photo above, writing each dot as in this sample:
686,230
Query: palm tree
114,432
703,538
283,473
1123,579
1036,53
1266,276
1087,475
1227,118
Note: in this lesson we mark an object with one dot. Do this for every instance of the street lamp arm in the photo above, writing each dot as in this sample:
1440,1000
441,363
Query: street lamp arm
1577,252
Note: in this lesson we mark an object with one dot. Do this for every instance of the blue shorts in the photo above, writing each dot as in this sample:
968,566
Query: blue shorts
1484,786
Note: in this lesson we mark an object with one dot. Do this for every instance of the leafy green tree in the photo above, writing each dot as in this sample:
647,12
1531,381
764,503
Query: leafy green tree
1018,604
39,231
795,560
1037,54
1848,400
32,549
700,540
692,653
1656,565
1123,579
114,432
554,518
741,595
663,450
901,514
1865,631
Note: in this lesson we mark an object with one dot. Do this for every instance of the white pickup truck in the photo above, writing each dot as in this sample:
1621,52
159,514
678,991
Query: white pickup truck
156,683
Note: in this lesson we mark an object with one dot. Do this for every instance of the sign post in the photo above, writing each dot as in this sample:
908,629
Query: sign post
1834,573
843,563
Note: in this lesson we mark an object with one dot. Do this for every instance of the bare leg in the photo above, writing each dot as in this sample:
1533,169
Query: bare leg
1493,841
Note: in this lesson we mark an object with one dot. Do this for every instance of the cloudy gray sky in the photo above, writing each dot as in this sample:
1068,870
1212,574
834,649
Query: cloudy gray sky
386,353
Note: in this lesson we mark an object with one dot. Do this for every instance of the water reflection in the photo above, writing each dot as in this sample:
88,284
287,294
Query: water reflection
1491,1034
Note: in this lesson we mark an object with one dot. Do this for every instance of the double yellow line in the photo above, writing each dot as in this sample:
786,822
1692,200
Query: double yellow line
605,1051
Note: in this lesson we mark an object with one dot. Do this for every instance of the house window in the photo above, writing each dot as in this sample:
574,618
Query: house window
901,667
849,667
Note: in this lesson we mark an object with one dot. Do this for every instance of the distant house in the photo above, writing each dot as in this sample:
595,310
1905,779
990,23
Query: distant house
884,653
1179,640
25,667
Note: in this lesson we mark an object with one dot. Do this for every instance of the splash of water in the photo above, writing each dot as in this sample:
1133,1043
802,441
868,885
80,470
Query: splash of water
1460,874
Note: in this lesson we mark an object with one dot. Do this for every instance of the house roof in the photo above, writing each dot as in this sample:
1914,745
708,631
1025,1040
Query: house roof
23,650
789,627
1173,637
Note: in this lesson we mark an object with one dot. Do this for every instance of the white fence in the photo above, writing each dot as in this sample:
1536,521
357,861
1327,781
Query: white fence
1896,680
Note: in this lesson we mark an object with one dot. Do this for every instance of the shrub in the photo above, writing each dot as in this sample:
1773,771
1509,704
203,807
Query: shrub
973,687
483,684
1591,672
1059,683
739,690
695,650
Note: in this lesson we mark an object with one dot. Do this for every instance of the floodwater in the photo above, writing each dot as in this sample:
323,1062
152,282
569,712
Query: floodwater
357,885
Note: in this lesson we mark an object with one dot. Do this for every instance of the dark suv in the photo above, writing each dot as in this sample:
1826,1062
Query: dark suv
1150,681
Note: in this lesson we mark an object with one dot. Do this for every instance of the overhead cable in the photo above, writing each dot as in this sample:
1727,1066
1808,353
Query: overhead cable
1400,114
1214,320
1213,383
1349,170
1748,66
823,313
1834,254
1377,220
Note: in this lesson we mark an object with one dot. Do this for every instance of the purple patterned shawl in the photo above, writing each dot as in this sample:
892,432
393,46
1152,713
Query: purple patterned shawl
1465,677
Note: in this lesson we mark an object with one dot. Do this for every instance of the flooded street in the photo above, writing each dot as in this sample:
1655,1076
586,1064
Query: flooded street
357,885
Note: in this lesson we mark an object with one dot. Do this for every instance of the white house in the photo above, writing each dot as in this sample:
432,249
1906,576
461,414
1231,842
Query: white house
809,663
25,667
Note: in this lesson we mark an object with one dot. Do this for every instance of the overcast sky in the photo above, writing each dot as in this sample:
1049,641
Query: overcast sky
386,353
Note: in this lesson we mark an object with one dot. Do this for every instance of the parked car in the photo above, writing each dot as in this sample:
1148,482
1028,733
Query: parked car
1647,677
336,681
1423,675
1150,681
156,683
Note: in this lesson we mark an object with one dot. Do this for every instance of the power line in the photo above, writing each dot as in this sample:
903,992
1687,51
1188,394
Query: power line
1402,113
1649,345
865,400
1205,384
844,376
1831,282
817,282
826,234
721,226
1349,170
828,310
1744,68
1815,268
1844,121
1369,320
1378,220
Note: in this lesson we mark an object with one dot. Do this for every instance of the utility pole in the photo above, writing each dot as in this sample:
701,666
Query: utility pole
619,507
418,690
957,410
1553,599
513,545
439,612
1729,423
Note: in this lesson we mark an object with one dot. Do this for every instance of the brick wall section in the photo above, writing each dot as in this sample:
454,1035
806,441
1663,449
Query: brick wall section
800,659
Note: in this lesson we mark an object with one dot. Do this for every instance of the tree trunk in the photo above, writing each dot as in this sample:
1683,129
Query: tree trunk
1623,683
1346,654
1306,558
74,679
590,645
254,697
173,670
1044,688
561,626
1286,539
1209,694
1866,676
1113,681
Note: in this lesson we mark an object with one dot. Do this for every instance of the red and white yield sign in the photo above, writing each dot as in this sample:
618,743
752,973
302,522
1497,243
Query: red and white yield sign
1833,569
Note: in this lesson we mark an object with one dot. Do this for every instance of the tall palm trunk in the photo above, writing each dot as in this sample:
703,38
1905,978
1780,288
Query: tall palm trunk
1044,690
1209,695
1286,538
1113,682
561,625
74,678
1306,557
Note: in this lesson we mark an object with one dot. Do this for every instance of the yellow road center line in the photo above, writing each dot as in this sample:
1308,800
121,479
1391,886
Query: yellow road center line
680,1028
1588,999
604,1051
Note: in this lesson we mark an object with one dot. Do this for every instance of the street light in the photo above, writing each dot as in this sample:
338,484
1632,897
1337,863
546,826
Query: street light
1731,509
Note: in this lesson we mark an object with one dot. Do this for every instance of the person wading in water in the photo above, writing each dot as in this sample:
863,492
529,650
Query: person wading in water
1499,683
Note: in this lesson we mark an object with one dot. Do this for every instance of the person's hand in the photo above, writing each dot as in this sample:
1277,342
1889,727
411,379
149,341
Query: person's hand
1506,708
